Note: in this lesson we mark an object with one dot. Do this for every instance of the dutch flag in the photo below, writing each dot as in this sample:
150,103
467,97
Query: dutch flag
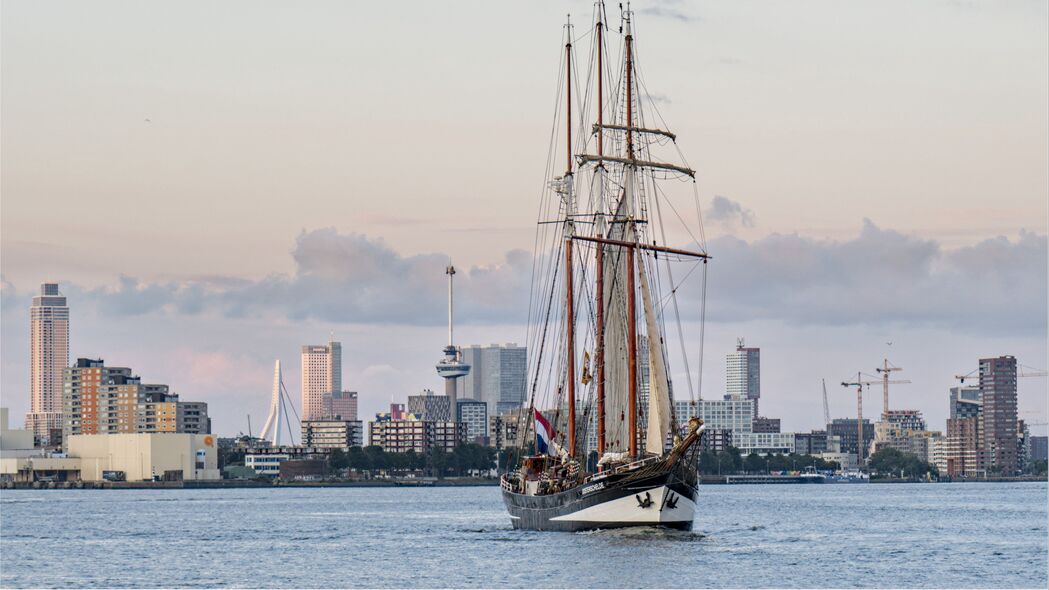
544,434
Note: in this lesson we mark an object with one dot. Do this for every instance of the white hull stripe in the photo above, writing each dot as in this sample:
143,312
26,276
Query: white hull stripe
676,508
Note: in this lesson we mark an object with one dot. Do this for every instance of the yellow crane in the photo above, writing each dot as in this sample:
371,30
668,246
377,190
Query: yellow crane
858,384
886,369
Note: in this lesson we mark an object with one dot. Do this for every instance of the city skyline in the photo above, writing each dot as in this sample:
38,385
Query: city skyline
903,217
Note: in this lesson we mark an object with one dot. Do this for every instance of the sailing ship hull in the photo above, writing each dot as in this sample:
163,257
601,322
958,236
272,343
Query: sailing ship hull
662,500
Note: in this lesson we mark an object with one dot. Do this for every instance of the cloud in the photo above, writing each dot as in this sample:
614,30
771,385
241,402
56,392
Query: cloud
882,278
879,277
668,10
729,213
341,278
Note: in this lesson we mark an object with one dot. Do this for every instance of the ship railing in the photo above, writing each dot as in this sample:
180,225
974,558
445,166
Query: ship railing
627,467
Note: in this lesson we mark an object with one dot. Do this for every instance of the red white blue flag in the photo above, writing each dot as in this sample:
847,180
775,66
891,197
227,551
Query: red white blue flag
544,434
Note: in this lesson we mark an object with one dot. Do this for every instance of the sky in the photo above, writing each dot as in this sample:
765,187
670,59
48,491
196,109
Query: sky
215,185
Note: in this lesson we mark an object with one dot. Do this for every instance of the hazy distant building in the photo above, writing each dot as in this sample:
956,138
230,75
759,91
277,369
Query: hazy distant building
846,431
112,400
421,436
766,425
340,405
1039,448
810,443
498,376
998,415
965,402
735,415
743,374
321,373
961,448
332,433
48,359
427,406
474,415
764,443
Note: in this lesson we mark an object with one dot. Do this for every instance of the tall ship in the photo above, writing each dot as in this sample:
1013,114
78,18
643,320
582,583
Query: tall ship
611,446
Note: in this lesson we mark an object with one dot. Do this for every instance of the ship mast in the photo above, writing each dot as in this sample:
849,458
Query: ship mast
569,231
631,299
599,290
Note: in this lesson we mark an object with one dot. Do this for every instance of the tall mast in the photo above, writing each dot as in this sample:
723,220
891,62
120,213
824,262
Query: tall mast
569,211
599,337
631,309
629,88
599,290
631,298
600,83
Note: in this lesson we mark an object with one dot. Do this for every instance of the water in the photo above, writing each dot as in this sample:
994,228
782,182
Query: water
932,535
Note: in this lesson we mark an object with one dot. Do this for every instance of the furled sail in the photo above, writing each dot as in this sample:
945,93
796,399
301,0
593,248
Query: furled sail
617,388
658,389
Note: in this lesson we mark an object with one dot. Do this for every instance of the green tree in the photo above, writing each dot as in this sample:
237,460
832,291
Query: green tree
437,462
753,463
338,460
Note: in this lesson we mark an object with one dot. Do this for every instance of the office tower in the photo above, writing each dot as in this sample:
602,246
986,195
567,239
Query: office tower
112,400
341,405
743,374
998,415
427,406
321,373
474,415
48,358
498,376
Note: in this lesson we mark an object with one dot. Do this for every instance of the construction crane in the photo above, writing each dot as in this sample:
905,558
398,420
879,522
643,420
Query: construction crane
1031,372
858,384
885,370
826,408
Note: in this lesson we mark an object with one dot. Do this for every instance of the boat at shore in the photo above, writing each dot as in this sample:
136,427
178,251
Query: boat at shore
609,450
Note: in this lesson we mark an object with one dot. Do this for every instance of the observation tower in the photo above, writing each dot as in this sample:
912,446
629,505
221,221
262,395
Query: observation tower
451,367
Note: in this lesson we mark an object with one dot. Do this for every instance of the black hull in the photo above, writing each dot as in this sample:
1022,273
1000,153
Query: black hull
661,499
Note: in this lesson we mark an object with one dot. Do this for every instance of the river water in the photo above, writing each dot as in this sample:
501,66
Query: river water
987,535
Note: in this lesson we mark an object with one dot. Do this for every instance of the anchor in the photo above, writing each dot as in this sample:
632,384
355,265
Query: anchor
644,503
671,502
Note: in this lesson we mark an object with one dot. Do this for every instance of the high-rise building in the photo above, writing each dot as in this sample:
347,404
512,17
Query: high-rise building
341,405
321,373
48,359
112,400
965,402
474,414
743,374
498,376
427,406
998,415
961,448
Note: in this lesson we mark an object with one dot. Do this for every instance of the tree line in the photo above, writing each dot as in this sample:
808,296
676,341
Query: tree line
463,460
731,461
